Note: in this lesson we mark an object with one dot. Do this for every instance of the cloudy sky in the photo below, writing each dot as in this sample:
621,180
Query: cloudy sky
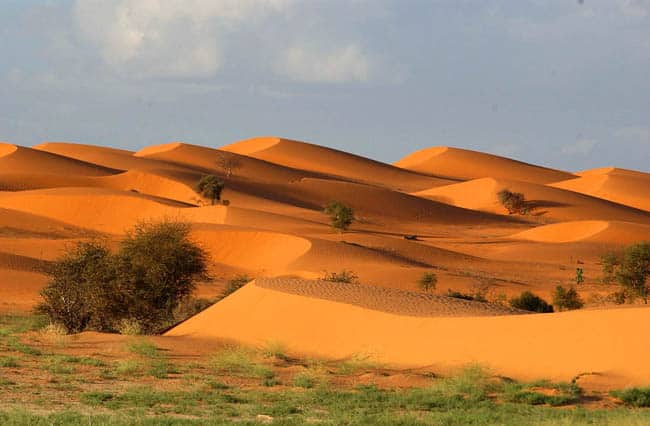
564,83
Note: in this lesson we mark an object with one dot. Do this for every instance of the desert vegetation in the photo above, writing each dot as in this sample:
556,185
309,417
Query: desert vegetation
514,202
144,282
528,301
210,187
631,269
566,299
428,281
341,215
343,276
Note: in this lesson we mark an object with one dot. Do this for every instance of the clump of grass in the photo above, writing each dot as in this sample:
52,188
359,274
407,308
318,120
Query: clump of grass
635,397
9,362
238,360
128,367
58,365
305,380
275,349
96,398
143,348
161,368
356,364
16,324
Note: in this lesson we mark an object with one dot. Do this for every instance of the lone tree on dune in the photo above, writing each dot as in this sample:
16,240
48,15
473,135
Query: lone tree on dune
566,299
210,187
428,281
228,162
341,215
514,202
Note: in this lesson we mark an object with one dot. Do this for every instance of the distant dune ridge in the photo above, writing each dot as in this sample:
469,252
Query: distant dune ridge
436,210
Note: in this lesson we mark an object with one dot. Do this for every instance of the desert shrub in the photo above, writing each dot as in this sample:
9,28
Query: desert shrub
129,327
428,281
459,295
634,270
344,276
154,270
514,202
341,215
566,299
210,186
191,306
528,301
636,397
79,286
610,262
228,162
580,276
235,284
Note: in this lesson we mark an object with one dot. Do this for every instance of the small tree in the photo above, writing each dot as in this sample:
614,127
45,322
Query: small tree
634,270
566,299
235,284
341,215
580,276
528,301
428,281
610,262
228,162
514,202
210,187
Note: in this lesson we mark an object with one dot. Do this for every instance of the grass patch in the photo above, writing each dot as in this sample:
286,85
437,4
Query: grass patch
16,345
635,397
16,324
356,364
9,362
304,380
143,348
161,369
240,361
128,367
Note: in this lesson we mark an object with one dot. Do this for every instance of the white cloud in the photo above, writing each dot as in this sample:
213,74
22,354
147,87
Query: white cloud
635,8
633,134
192,38
580,147
167,38
340,64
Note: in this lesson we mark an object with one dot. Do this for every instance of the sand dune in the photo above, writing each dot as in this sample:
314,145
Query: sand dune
519,346
19,159
306,156
588,230
464,164
547,202
620,186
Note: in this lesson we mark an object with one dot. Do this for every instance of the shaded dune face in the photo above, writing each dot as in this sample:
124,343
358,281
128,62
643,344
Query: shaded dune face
436,210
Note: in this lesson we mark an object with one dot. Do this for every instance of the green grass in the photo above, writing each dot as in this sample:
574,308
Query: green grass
128,367
9,362
15,344
304,380
143,348
239,361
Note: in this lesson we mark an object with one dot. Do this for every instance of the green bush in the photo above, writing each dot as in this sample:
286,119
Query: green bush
566,299
155,269
428,281
634,270
341,215
210,187
636,397
514,202
528,301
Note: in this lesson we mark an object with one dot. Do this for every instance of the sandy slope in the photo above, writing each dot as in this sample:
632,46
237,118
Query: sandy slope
301,155
555,346
587,230
547,202
621,186
464,164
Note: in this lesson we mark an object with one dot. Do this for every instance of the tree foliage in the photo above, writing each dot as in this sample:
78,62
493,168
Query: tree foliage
228,162
566,299
210,186
154,270
514,202
341,215
634,270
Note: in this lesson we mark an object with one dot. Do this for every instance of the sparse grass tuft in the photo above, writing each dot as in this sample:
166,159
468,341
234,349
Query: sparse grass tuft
9,362
128,367
143,348
635,397
15,344
239,361
304,380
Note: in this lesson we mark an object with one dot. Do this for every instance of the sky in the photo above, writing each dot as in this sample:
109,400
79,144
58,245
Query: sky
561,83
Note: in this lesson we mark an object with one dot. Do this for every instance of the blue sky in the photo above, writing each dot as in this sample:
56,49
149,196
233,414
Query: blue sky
554,82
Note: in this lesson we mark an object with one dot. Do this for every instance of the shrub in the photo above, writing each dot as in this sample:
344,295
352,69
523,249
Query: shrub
478,296
228,162
154,270
634,270
235,284
190,307
580,276
566,299
341,215
129,327
514,202
344,276
636,397
210,187
610,262
528,301
304,380
428,281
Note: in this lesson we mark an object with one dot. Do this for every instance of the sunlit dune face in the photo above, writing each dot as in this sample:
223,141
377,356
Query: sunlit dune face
7,149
